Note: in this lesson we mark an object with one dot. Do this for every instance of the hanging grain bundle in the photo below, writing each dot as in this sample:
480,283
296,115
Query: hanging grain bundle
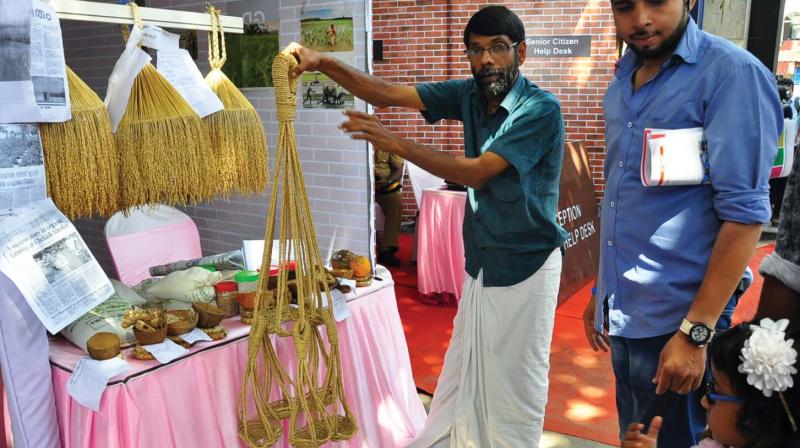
236,132
80,157
163,147
314,403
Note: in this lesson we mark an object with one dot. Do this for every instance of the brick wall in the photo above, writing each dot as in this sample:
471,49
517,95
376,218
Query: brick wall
336,168
423,42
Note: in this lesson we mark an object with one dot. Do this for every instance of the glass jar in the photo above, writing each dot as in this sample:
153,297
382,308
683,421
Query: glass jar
227,297
247,285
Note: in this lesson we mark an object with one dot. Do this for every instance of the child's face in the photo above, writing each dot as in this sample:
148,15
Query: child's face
722,415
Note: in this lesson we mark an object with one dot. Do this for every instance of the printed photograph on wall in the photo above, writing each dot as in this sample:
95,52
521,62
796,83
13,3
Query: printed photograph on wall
321,92
250,55
328,30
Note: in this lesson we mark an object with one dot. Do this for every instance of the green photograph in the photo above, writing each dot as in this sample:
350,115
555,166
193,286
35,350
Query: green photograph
327,29
250,55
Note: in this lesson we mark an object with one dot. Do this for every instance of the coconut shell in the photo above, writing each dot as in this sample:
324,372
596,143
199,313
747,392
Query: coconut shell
103,346
209,315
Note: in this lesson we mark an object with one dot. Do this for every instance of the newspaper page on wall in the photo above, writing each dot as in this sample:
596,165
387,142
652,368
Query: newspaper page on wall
16,86
33,78
42,253
22,178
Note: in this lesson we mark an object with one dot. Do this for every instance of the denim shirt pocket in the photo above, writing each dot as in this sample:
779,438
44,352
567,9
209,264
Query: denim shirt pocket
687,114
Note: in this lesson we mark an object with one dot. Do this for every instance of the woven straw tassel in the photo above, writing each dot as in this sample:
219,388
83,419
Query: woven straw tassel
236,132
80,157
317,410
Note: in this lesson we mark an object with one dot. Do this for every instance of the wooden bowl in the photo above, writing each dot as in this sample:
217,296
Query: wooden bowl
150,337
103,346
187,322
209,315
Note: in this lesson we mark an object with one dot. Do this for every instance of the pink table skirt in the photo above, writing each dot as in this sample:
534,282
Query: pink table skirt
193,401
440,246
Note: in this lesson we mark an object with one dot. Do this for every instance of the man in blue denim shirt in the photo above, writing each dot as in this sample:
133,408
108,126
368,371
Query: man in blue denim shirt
673,256
493,386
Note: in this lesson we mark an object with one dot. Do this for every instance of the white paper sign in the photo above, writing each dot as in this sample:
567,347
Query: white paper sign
195,335
43,254
166,351
253,253
340,309
180,70
158,39
22,179
90,377
128,66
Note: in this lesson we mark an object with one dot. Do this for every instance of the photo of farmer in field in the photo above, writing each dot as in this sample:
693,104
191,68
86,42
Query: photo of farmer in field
327,29
250,55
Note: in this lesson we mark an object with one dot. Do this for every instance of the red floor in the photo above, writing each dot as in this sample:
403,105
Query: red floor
581,395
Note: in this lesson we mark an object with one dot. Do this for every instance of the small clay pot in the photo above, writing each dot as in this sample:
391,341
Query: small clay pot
209,315
187,322
150,337
103,346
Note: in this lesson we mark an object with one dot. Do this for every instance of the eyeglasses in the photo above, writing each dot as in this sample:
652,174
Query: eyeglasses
498,49
712,396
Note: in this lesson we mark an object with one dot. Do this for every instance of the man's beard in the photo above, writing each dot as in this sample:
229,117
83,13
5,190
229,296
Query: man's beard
498,88
666,47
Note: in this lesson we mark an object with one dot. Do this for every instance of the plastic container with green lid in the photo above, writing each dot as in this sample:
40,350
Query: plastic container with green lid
247,285
246,277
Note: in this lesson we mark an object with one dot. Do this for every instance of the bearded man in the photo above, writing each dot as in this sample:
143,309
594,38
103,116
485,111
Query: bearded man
673,258
493,387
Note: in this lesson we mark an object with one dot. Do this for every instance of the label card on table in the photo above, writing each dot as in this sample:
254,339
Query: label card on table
195,335
339,299
89,379
166,351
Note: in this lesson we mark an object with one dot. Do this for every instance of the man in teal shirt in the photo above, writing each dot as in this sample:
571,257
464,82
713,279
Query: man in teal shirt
493,387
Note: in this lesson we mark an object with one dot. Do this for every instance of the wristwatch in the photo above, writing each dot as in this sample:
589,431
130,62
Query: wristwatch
698,333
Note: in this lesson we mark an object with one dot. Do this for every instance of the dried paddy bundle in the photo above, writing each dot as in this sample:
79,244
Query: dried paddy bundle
236,132
80,157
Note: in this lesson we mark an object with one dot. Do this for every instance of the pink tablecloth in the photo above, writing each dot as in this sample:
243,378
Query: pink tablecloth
440,246
192,402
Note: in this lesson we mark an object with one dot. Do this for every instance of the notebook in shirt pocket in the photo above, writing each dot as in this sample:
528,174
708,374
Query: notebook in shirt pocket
686,114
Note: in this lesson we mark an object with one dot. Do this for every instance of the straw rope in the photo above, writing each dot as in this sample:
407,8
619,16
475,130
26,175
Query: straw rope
80,157
163,147
236,132
317,410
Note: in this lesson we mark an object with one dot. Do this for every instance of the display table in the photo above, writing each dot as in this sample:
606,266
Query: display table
440,246
193,401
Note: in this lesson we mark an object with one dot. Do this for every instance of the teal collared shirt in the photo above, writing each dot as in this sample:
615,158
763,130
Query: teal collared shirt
510,224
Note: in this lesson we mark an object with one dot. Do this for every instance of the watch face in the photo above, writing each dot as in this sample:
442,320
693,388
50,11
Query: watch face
699,334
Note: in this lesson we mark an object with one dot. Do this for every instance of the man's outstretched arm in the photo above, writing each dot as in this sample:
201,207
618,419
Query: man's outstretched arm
369,88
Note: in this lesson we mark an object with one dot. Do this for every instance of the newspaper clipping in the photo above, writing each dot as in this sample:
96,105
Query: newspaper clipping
22,178
33,81
42,253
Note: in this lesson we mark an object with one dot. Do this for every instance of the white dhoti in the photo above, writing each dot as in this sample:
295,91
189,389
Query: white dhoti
493,388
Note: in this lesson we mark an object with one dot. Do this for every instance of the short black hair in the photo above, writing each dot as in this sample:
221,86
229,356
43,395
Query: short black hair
788,82
762,420
493,21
